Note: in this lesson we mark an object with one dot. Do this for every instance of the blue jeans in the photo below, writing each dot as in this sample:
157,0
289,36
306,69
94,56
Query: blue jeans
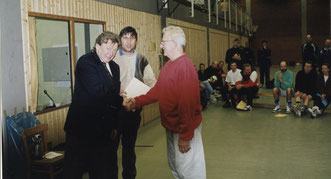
209,90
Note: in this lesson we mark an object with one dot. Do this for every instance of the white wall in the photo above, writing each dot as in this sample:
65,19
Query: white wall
13,92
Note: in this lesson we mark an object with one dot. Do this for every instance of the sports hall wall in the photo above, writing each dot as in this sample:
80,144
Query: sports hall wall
284,24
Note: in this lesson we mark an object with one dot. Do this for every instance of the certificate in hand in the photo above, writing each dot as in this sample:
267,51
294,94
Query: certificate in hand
136,88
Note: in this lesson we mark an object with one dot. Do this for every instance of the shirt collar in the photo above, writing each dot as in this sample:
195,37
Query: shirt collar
121,52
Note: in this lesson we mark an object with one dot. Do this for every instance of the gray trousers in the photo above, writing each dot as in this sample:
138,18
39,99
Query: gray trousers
190,165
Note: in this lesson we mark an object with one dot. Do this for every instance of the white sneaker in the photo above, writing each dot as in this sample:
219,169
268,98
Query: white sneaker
213,99
317,110
288,110
297,109
217,95
248,108
276,109
312,112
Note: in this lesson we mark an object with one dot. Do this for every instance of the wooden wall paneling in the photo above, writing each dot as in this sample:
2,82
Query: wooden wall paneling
218,42
244,41
55,122
32,67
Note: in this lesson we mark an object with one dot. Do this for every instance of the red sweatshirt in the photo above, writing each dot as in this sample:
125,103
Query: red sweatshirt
177,90
246,80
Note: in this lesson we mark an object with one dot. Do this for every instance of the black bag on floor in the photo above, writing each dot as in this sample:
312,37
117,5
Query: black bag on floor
270,84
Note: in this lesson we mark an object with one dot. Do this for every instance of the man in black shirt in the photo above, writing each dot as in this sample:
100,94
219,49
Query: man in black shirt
305,87
234,54
264,62
325,54
309,51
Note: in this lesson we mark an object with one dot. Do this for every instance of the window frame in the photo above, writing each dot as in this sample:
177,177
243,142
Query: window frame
72,49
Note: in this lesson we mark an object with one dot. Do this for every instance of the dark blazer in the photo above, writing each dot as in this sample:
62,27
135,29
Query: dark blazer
96,100
324,88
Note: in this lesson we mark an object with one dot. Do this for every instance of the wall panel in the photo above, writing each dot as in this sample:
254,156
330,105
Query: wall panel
218,44
244,41
196,40
149,38
232,37
55,121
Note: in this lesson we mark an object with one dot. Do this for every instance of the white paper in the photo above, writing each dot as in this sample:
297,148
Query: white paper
51,155
136,88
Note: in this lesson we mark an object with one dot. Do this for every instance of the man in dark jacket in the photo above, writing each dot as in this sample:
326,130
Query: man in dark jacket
234,54
309,51
305,87
325,54
323,96
92,116
264,62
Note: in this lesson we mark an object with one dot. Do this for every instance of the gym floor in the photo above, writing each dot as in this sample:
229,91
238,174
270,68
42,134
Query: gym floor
250,145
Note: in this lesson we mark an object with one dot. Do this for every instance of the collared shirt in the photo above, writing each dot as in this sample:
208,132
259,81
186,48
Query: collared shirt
233,77
326,78
127,63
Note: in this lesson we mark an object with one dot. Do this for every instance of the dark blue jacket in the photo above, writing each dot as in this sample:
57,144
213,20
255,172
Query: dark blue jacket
96,100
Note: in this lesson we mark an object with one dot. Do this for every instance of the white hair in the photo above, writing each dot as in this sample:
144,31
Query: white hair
176,34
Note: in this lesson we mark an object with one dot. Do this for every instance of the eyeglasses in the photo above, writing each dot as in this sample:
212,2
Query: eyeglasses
164,41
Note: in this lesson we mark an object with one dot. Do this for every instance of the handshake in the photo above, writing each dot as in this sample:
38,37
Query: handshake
128,104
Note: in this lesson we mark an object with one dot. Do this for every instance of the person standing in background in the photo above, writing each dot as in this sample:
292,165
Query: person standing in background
310,51
264,63
132,65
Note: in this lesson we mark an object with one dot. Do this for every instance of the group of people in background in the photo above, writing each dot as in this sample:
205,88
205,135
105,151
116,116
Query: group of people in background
312,83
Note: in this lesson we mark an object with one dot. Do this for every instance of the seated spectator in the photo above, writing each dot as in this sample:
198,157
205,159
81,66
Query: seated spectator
222,73
325,54
248,85
323,95
212,71
231,79
305,87
204,83
283,87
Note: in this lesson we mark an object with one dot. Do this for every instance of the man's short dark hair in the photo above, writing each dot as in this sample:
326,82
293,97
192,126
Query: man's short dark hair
236,40
129,30
201,64
247,65
233,62
309,62
325,64
104,37
264,41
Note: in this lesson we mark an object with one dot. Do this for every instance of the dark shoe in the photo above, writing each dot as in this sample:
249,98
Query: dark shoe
227,105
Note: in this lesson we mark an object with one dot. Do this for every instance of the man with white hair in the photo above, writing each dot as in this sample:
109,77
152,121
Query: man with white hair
177,91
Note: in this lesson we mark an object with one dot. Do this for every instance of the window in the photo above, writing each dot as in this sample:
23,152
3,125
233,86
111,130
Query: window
85,35
53,54
55,42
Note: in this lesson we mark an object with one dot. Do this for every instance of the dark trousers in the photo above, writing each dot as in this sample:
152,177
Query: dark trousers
129,124
264,73
230,94
318,102
96,156
249,93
